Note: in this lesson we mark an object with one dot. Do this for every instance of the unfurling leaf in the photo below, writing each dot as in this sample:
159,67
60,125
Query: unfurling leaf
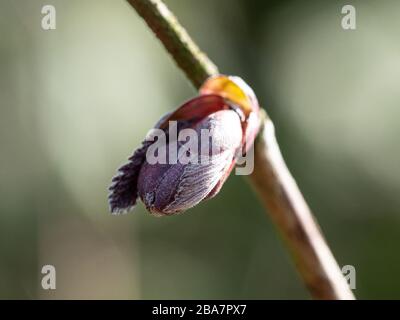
220,124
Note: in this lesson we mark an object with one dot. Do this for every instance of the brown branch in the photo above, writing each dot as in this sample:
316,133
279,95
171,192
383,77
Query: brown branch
280,194
271,178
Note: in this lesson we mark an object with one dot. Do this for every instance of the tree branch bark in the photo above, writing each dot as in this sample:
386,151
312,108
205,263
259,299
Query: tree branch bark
271,178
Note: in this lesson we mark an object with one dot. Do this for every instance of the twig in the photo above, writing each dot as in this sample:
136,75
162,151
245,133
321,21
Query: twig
176,40
271,178
280,194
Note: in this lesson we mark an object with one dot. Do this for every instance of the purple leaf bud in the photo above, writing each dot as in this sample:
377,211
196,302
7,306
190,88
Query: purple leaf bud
174,171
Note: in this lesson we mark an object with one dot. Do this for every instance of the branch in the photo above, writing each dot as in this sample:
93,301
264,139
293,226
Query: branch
176,40
281,196
271,179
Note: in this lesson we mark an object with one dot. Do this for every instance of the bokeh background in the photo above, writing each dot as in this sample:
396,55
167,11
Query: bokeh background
76,101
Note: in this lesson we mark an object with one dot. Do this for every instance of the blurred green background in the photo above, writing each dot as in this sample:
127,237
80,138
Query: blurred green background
76,101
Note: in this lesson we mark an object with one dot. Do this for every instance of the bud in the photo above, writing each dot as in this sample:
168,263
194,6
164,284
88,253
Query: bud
226,112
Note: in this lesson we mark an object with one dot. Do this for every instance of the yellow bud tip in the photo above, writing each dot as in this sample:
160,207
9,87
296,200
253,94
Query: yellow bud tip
233,89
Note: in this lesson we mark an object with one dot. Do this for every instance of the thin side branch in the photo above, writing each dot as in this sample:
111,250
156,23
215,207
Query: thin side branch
271,179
